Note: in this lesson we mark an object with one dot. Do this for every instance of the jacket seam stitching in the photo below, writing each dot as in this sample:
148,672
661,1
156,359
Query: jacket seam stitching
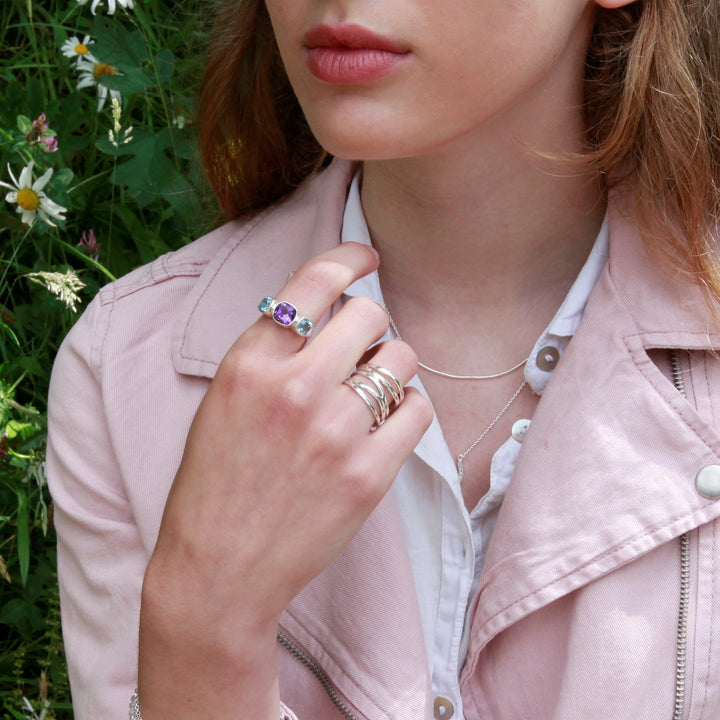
708,394
710,644
676,406
598,558
252,225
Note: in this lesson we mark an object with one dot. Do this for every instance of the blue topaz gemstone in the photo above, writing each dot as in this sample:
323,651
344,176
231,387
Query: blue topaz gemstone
304,327
265,304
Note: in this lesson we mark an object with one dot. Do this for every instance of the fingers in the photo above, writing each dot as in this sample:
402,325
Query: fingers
312,290
382,453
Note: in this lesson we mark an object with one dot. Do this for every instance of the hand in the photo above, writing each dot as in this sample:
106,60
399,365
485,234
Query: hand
279,472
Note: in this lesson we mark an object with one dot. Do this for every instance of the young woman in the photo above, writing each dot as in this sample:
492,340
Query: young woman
463,458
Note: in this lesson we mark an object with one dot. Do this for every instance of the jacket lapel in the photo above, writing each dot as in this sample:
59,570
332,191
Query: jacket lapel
608,468
254,262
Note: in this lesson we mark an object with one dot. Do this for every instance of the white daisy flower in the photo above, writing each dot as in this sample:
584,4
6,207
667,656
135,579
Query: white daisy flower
91,71
127,4
30,199
75,49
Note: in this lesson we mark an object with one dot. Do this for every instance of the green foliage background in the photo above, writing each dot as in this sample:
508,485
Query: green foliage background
141,198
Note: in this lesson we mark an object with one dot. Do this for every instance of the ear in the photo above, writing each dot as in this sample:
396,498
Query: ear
613,4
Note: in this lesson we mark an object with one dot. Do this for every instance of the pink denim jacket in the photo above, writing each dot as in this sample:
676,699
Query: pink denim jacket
587,591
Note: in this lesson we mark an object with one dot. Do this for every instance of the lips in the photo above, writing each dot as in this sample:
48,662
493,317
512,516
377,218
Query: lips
348,54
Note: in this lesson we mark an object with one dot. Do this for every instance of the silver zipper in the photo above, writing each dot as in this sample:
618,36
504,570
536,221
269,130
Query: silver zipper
327,684
684,580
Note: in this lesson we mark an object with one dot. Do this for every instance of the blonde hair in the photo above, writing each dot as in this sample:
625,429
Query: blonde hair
652,103
653,114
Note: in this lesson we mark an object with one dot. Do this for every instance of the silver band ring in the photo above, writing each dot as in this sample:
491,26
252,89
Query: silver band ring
286,315
379,389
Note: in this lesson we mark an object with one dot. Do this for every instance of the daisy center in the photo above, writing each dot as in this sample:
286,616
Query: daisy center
103,69
81,49
28,199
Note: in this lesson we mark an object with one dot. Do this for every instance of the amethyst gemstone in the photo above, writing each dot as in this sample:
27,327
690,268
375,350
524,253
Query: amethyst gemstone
284,313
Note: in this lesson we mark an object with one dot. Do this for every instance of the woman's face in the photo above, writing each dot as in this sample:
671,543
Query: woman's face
381,79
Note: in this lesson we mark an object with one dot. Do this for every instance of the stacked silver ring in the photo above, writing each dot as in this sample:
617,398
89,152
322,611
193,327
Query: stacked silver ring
380,390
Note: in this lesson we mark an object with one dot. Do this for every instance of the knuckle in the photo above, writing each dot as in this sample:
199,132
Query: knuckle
240,370
402,351
290,398
321,273
368,313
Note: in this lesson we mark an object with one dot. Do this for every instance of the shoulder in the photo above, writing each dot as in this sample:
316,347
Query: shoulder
188,262
192,303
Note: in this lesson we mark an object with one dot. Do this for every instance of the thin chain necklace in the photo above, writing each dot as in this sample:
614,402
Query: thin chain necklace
459,460
452,376
461,457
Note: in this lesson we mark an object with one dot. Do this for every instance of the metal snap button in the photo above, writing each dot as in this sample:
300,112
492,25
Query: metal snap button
520,428
547,358
707,482
443,708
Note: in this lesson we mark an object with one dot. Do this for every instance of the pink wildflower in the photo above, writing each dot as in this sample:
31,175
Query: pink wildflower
50,143
39,134
89,243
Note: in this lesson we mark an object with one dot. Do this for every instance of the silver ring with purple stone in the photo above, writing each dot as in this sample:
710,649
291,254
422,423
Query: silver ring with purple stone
286,315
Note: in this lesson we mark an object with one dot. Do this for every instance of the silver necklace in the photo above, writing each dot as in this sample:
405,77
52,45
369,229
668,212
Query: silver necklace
461,457
452,376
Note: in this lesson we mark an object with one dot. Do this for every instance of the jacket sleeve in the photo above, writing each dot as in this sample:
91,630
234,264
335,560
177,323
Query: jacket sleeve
101,560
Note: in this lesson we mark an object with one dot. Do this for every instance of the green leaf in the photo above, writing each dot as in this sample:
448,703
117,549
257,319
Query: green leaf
15,429
62,178
165,64
25,617
134,80
117,46
24,124
23,535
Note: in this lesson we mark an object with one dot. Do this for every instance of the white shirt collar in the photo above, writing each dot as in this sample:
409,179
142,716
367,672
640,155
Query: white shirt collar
561,327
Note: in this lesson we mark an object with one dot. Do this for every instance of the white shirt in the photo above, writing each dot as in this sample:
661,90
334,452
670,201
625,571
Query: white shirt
447,544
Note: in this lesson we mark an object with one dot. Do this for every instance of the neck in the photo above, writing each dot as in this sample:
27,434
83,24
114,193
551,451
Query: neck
506,235
486,233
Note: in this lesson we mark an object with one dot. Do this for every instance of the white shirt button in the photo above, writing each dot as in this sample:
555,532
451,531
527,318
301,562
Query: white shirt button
707,482
443,708
520,428
547,358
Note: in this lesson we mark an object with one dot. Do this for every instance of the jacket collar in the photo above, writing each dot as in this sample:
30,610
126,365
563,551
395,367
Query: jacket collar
257,257
254,262
609,475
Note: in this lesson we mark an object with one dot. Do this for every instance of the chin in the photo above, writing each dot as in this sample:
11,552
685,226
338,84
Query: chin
361,144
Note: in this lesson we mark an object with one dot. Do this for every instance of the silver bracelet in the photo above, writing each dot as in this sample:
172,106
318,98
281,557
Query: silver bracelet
134,713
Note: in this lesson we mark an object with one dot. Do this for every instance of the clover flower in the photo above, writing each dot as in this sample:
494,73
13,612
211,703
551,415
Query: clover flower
91,70
89,243
75,49
30,199
127,4
41,133
64,286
